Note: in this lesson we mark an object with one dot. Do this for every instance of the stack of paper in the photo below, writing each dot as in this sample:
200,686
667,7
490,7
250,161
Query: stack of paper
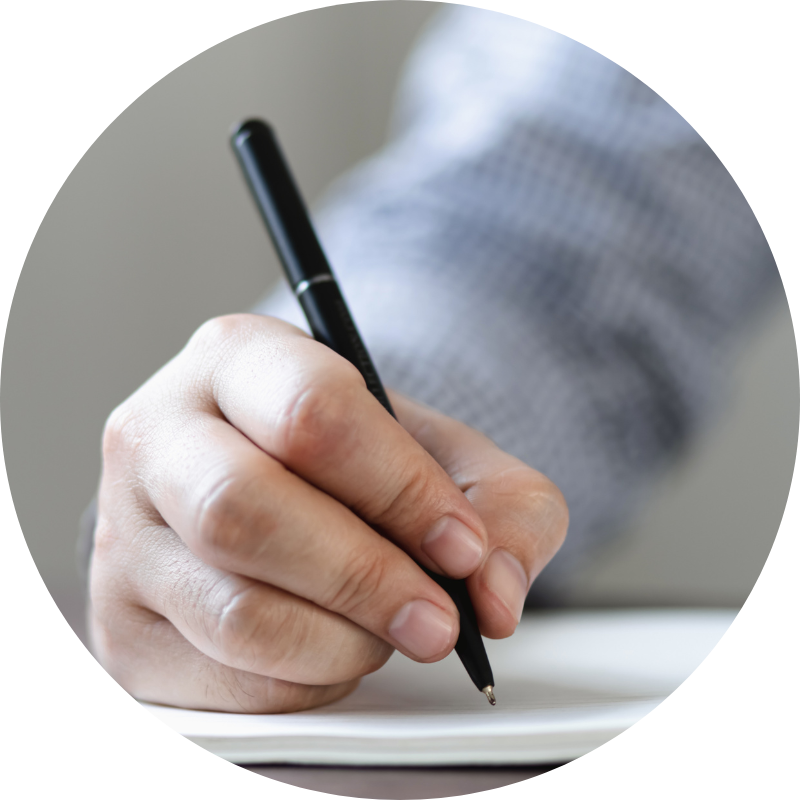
567,682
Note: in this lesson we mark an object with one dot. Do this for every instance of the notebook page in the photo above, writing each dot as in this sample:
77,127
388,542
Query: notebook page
575,677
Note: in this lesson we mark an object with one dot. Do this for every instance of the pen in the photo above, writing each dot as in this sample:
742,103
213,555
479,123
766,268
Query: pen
314,285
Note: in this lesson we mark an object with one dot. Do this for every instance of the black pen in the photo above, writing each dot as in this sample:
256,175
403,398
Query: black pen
313,283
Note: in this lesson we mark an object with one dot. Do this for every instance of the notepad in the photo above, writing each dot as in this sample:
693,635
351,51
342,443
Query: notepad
567,682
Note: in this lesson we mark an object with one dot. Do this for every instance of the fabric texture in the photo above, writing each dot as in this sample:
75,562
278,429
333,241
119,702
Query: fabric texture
546,250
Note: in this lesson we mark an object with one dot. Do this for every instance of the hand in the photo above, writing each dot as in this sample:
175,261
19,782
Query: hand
237,562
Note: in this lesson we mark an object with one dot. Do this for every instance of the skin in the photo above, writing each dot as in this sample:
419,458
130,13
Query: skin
260,516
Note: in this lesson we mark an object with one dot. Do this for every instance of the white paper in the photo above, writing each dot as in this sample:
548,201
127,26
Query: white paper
566,682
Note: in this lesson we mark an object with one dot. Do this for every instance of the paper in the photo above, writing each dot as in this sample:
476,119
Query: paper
567,682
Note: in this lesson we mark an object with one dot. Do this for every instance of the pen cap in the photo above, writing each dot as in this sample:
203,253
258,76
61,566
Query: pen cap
279,201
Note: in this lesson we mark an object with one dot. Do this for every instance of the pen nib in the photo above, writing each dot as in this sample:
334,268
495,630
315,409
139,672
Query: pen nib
489,692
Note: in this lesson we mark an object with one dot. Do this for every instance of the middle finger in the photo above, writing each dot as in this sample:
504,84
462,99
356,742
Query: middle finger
240,510
311,410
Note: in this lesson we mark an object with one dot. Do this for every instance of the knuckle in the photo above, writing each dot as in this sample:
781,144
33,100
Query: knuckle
375,656
109,618
548,511
215,332
534,503
356,589
110,636
105,539
121,433
405,500
224,527
551,509
214,341
244,693
240,629
220,335
110,650
560,513
254,694
318,419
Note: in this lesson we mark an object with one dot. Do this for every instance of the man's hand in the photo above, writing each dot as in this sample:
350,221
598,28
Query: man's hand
239,563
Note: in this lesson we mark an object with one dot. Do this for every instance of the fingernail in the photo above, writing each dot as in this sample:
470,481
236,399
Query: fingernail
505,577
456,550
422,628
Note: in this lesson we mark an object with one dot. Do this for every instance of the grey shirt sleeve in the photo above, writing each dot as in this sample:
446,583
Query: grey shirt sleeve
547,251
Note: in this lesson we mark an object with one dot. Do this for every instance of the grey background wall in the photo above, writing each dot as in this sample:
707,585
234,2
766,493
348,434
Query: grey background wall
153,233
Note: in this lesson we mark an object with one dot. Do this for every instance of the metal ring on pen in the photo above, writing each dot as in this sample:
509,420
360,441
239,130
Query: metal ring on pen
303,285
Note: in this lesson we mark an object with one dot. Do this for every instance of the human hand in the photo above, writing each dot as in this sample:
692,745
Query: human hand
237,563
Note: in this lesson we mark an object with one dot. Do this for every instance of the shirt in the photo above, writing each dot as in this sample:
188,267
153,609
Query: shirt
547,251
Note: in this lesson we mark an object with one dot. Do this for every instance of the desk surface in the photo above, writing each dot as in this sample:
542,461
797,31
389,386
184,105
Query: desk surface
398,784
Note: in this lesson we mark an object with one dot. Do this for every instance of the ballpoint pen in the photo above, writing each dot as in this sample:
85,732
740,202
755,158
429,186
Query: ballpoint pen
314,285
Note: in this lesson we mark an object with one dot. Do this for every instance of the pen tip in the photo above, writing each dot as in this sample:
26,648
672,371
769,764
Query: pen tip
489,692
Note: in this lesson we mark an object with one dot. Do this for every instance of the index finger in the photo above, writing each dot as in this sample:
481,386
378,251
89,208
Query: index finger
311,410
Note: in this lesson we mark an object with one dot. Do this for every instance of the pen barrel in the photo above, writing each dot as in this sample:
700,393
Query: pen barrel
469,646
332,324
280,202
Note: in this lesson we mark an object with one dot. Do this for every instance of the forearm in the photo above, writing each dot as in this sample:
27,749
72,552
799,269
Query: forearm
547,251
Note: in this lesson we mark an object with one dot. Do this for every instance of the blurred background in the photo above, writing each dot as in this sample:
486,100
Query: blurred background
154,232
